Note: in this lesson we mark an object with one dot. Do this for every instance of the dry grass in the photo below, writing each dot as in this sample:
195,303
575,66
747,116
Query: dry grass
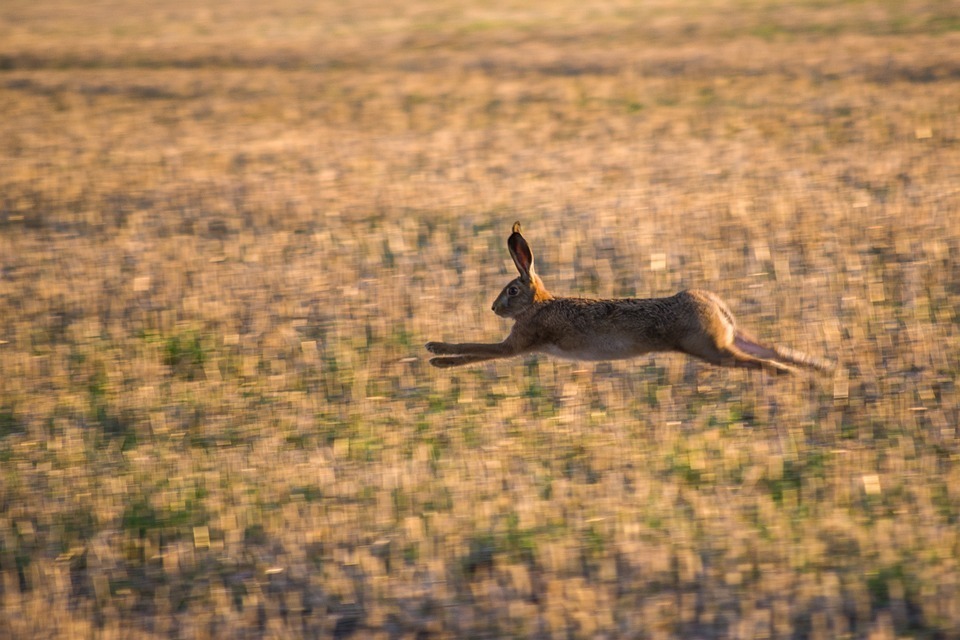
226,230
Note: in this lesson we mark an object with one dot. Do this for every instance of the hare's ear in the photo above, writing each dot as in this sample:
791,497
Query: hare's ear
520,252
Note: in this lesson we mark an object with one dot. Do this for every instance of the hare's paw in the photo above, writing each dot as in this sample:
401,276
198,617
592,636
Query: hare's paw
439,348
450,361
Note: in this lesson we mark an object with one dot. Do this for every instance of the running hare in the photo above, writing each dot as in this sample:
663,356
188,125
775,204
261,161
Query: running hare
694,322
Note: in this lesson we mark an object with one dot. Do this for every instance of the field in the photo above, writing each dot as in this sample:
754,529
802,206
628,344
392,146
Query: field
228,228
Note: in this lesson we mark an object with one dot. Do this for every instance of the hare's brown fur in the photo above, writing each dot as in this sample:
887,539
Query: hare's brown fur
694,322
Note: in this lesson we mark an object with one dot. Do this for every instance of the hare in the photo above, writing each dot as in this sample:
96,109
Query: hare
694,322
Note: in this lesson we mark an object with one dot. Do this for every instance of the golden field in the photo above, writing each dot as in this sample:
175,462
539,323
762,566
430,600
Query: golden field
227,229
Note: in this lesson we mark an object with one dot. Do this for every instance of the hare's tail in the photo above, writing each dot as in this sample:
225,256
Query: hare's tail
781,355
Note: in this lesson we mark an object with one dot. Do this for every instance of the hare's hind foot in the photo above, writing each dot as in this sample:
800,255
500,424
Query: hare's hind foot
732,357
782,357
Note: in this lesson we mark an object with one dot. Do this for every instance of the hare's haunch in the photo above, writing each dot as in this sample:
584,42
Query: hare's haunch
694,322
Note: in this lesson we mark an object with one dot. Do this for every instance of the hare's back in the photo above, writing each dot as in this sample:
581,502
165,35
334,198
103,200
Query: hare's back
611,329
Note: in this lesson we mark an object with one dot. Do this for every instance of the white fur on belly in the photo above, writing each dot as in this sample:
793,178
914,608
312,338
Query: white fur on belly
599,349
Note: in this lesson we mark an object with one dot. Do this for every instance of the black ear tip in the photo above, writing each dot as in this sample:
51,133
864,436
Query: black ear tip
516,227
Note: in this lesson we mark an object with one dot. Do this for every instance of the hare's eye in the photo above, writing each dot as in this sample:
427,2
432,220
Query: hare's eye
513,291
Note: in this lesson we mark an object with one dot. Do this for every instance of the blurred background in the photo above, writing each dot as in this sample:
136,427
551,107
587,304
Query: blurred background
227,229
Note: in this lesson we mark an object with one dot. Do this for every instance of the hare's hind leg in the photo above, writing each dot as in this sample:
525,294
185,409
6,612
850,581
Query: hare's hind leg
789,359
730,355
734,357
709,332
746,344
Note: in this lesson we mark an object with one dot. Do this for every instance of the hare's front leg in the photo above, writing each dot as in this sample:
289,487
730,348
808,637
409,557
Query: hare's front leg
442,348
454,355
495,350
445,362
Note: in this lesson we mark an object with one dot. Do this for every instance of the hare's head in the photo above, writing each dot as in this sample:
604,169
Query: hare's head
526,290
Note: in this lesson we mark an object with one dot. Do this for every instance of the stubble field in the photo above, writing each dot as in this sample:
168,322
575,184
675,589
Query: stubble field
227,229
